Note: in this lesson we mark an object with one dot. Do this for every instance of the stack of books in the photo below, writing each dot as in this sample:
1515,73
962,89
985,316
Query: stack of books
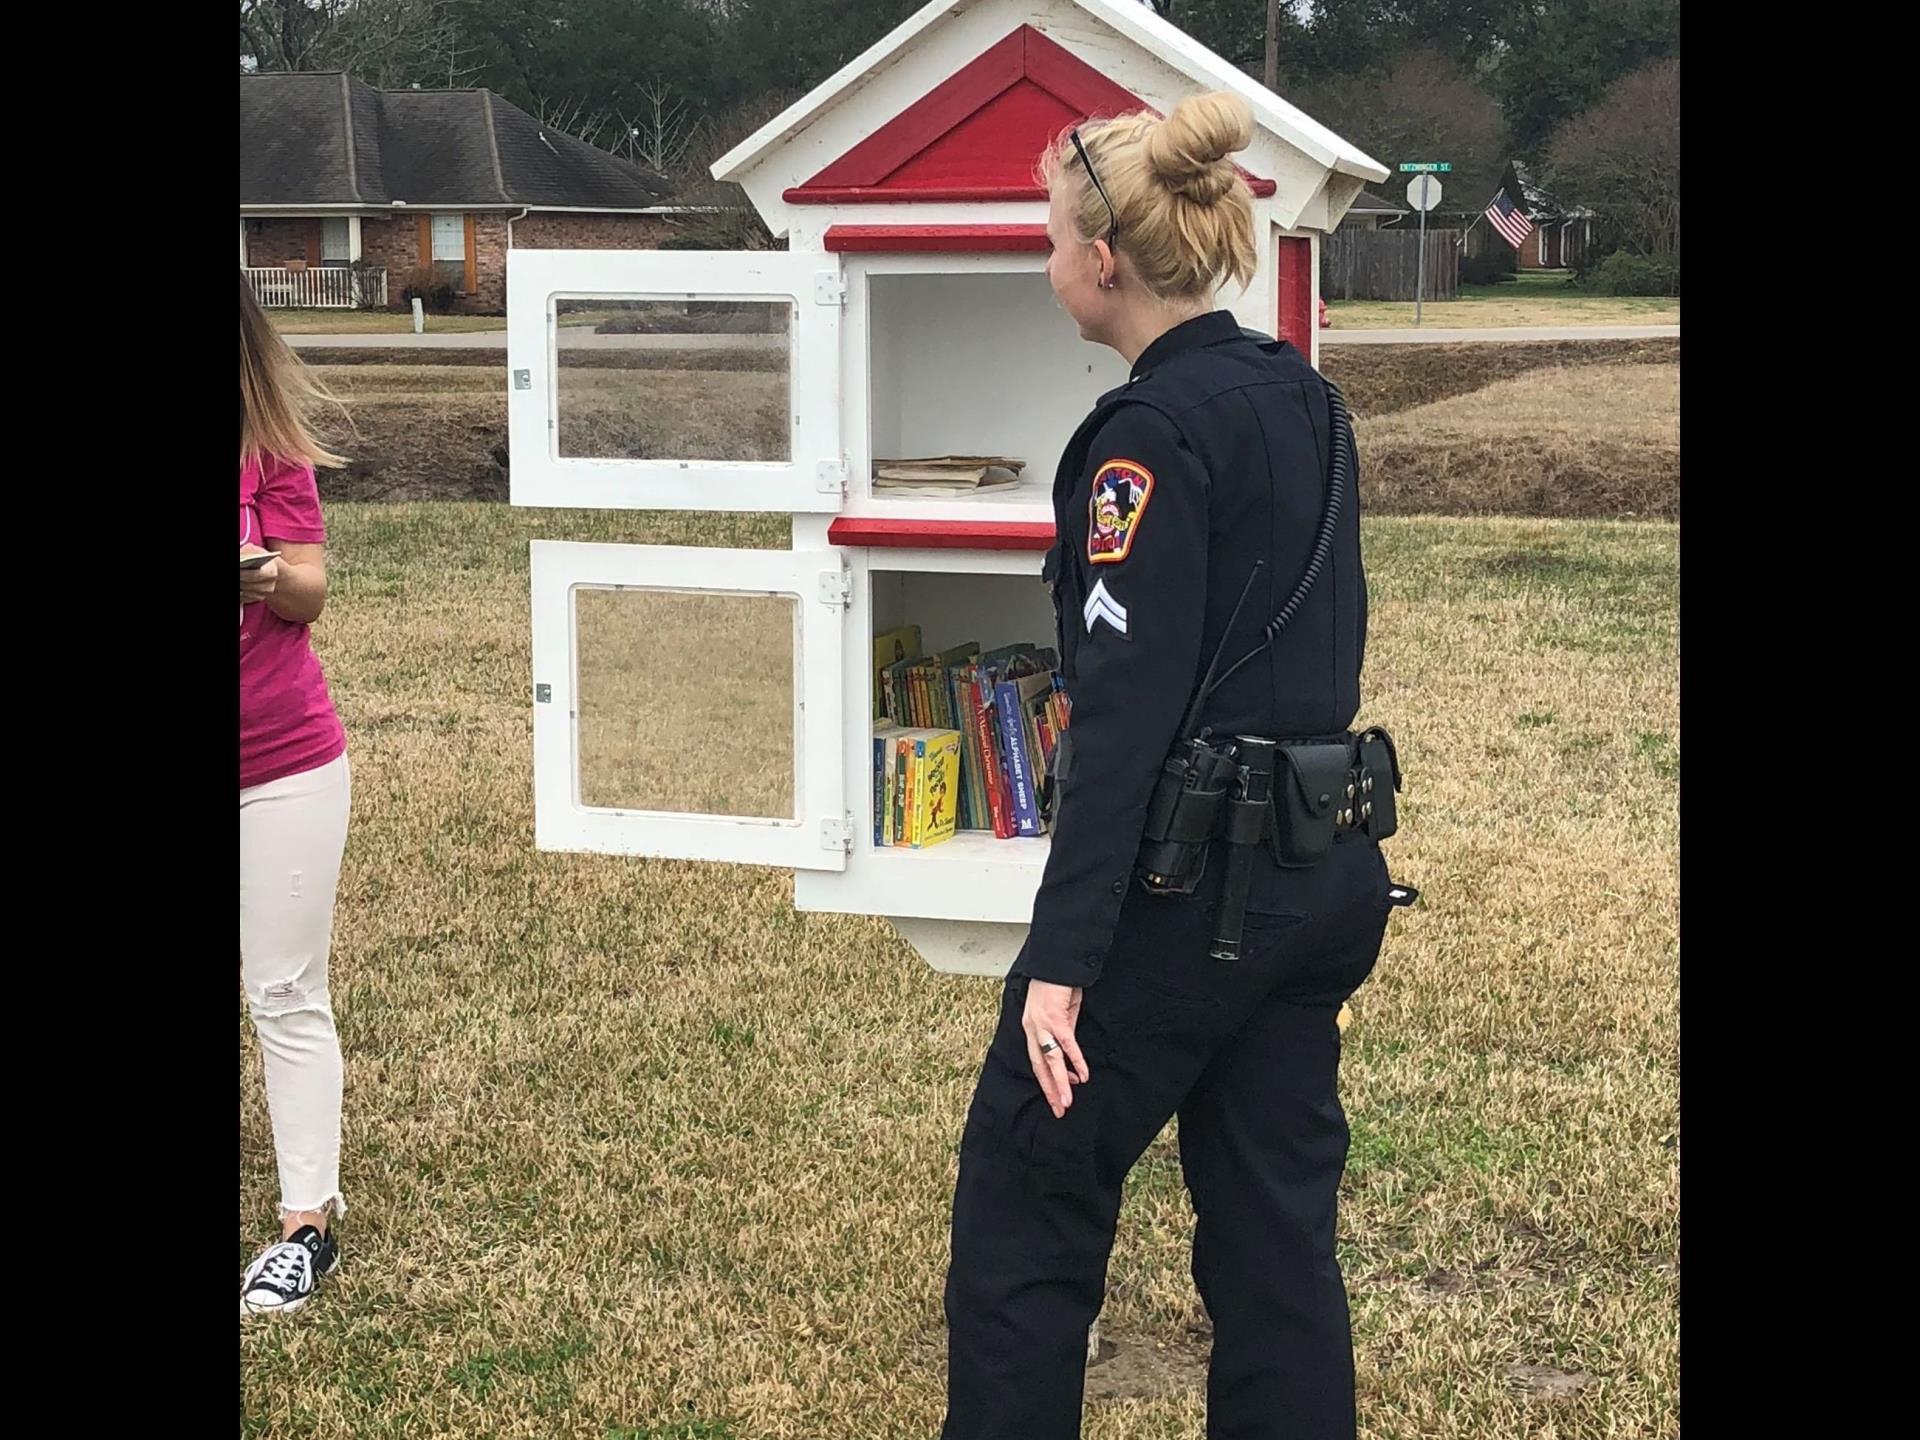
999,715
946,474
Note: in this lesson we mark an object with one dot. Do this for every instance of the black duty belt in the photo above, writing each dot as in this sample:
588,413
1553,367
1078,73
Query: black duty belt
1319,785
1292,795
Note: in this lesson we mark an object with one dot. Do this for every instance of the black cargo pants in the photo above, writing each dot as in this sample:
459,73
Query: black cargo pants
1246,1053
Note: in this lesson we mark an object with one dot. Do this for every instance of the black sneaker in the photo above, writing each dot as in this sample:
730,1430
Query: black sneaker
284,1275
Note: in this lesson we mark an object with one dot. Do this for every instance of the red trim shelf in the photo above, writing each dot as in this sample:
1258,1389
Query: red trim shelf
881,532
971,239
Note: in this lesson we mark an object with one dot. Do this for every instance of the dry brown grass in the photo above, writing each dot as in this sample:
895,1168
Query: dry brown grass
1512,304
416,432
1380,379
686,702
636,414
1565,441
438,430
625,1159
420,432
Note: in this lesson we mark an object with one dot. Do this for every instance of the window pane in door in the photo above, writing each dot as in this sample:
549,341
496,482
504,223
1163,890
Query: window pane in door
674,379
686,701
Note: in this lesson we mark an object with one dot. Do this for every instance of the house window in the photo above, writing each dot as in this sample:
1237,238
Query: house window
333,240
450,249
449,239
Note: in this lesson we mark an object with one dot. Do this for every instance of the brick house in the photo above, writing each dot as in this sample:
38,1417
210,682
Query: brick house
1561,233
347,192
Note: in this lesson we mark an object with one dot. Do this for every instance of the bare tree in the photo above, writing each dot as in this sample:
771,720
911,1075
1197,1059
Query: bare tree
457,73
664,132
1271,75
387,43
661,135
1425,107
1621,159
571,117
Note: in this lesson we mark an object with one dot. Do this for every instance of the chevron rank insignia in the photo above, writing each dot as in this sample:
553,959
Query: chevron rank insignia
1102,606
1121,489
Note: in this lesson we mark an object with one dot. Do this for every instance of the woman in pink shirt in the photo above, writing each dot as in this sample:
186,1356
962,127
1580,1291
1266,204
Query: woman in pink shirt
293,810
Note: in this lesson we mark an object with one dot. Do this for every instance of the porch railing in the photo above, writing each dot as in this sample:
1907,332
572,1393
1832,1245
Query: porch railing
321,287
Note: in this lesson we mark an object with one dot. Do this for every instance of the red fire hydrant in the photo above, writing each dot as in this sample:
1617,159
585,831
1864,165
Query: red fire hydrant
1324,322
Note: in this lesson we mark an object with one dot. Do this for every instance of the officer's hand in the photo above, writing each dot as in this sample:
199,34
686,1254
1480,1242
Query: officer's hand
1051,1011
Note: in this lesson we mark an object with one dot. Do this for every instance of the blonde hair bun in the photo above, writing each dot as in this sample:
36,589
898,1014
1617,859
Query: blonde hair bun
1188,150
1185,217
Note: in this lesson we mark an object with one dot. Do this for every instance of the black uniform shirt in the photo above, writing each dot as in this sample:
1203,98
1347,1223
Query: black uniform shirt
1211,457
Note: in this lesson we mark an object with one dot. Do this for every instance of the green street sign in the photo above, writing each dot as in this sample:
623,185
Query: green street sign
1441,166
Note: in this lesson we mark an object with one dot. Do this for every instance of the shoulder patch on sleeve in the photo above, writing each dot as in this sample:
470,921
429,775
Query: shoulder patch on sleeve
1121,489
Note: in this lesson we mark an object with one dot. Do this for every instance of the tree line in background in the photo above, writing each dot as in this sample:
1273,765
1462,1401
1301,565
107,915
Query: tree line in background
1584,90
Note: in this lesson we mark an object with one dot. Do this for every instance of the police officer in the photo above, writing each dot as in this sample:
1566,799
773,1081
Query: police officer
1204,479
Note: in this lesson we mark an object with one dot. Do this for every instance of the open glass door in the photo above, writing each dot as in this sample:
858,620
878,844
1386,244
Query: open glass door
675,379
687,703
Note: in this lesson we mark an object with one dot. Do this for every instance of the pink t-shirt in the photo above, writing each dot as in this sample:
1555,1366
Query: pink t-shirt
287,720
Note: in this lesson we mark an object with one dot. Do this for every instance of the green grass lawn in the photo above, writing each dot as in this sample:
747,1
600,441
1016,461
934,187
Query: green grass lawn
633,1149
1531,298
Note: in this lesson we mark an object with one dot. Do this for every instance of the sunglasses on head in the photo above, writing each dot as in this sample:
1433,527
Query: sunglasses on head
1113,216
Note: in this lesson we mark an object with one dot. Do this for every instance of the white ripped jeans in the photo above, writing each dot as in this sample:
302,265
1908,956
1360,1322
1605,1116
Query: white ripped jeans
292,833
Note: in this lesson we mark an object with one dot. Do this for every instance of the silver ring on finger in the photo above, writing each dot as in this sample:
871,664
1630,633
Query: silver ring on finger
1048,1044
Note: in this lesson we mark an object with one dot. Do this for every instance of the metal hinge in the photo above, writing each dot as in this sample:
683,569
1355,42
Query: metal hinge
830,477
829,288
837,834
836,587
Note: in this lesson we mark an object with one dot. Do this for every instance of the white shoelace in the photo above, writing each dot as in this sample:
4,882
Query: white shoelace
287,1267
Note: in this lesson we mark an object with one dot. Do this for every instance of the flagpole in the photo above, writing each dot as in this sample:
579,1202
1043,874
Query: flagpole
1481,216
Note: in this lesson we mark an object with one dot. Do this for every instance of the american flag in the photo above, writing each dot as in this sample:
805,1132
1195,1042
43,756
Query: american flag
1509,219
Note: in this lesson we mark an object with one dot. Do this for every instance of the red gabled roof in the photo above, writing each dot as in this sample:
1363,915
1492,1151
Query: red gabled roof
979,133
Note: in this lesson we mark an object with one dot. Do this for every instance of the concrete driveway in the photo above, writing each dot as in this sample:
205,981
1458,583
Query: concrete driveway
572,337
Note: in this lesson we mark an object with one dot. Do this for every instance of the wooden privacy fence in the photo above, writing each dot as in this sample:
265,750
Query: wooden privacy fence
1382,265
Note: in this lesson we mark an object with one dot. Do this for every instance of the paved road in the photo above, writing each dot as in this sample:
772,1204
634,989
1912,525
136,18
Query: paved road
1436,335
580,338
571,338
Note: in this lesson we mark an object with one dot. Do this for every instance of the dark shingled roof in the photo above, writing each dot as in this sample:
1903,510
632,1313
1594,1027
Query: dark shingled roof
328,139
1534,198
